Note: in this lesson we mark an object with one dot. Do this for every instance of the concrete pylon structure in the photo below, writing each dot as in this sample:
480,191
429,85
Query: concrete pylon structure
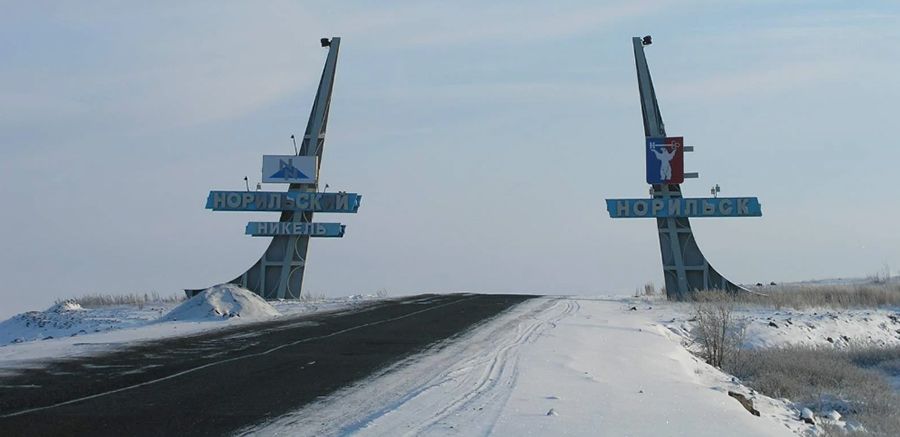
279,272
685,269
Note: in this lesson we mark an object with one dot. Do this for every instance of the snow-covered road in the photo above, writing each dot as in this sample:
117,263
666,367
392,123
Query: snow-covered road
550,366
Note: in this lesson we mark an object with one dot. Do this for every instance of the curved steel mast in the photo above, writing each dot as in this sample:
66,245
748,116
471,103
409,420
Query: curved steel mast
279,272
685,269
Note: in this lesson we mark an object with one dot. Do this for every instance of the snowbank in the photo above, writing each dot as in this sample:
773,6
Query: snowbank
766,328
68,319
223,301
841,329
68,322
67,330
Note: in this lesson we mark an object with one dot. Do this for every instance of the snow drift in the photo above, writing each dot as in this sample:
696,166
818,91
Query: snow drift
223,301
64,319
66,323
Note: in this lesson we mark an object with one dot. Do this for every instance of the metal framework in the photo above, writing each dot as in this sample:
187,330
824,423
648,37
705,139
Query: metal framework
279,272
685,269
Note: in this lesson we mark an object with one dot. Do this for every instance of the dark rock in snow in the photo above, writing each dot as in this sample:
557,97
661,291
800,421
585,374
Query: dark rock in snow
807,416
745,401
772,324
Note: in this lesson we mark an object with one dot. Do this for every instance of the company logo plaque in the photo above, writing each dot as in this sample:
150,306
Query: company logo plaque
289,169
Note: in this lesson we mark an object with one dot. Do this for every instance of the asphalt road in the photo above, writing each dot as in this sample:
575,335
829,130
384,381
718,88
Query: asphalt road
219,382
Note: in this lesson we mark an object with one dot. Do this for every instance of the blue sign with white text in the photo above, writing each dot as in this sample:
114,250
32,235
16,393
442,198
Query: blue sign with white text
281,201
271,229
682,207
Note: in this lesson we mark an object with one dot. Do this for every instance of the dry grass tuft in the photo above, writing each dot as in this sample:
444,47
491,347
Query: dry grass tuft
98,300
853,382
799,296
312,297
718,333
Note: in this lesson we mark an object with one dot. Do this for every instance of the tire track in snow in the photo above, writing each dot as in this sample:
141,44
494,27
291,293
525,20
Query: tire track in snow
493,376
441,390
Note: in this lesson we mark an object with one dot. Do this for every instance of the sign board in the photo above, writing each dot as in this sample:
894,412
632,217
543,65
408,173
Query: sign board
681,207
289,169
665,160
271,229
279,201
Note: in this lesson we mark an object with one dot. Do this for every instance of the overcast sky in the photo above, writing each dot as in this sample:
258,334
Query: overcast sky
483,136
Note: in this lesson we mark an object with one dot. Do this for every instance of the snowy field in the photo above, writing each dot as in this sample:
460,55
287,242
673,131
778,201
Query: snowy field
816,327
551,366
67,330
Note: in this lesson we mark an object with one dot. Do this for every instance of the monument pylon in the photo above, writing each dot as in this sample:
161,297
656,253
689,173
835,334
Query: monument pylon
279,272
685,269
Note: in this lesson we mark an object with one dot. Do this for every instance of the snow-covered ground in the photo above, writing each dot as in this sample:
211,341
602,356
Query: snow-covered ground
66,329
551,366
223,302
815,327
69,319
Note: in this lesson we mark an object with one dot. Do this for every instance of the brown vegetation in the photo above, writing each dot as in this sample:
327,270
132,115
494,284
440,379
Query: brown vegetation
798,296
97,300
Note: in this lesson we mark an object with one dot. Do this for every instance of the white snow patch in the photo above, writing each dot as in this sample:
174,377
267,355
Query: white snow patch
550,366
813,327
223,301
68,319
64,306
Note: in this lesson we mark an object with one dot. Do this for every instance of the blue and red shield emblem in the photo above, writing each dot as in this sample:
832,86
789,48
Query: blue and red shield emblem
665,160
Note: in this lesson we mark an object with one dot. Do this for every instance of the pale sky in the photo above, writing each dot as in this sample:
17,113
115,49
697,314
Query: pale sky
483,136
